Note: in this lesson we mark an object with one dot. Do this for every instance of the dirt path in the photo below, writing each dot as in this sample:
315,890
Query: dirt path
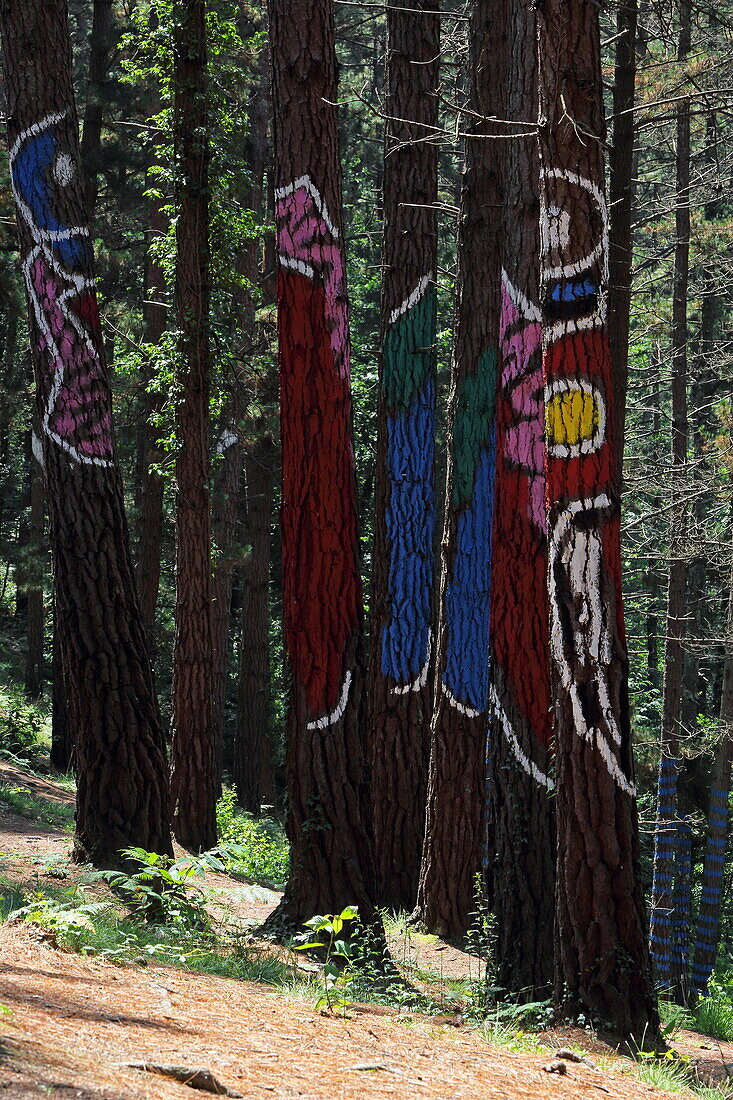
74,1022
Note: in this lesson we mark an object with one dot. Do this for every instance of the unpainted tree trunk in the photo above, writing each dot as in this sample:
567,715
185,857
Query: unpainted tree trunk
521,806
601,950
402,628
193,778
113,710
100,45
452,851
33,678
669,747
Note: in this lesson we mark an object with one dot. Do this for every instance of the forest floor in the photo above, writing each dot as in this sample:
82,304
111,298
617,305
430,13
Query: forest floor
72,1025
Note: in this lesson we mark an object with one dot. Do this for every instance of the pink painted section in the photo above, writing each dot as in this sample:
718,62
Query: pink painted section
524,445
303,235
78,406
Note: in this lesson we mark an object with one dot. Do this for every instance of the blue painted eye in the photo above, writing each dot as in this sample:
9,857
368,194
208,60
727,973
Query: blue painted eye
35,165
573,291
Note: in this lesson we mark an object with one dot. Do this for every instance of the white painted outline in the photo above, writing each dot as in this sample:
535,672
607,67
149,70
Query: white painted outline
417,294
586,446
566,271
528,309
79,283
37,449
593,736
297,265
462,707
227,439
523,760
420,681
306,183
332,718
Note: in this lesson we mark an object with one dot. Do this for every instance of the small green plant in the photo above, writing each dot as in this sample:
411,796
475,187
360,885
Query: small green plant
69,920
323,933
22,728
163,890
668,1071
674,1017
714,1014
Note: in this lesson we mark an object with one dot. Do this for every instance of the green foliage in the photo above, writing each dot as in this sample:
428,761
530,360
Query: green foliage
713,1015
323,933
255,848
668,1071
22,728
23,802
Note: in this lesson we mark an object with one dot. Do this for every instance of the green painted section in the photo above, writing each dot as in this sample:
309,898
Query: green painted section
473,420
409,355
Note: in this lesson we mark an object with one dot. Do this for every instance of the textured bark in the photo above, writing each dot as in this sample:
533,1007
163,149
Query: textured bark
100,45
452,851
711,894
601,951
402,597
33,679
669,750
252,746
193,779
621,200
62,740
328,798
113,711
521,823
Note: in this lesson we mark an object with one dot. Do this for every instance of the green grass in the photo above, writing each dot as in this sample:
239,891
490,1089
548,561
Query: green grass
37,808
713,1015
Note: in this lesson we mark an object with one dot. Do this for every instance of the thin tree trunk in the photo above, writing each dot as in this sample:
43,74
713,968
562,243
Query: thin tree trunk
402,597
328,798
193,778
36,617
253,713
521,826
100,45
452,850
669,751
113,710
601,950
711,894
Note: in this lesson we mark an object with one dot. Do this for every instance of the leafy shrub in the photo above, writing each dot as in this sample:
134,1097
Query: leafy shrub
253,847
162,890
21,728
714,1013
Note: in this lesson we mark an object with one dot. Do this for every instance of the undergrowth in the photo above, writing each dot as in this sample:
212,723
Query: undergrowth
35,807
258,847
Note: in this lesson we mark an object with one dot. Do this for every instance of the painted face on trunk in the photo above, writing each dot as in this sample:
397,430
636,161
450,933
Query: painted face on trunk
586,621
48,195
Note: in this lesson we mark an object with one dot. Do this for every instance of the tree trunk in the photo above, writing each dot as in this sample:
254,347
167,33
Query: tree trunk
328,797
452,850
100,45
193,779
521,825
601,951
113,710
403,554
711,894
252,743
62,740
669,752
36,617
621,200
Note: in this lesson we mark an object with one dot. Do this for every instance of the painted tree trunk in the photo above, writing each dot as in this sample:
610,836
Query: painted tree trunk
328,799
521,814
252,744
680,932
403,555
193,779
452,849
711,894
113,710
62,740
601,950
666,827
33,678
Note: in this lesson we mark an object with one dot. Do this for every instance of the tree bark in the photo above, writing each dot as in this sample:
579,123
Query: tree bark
452,850
669,748
113,710
252,745
521,807
328,798
193,779
100,45
601,951
33,679
62,740
402,626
